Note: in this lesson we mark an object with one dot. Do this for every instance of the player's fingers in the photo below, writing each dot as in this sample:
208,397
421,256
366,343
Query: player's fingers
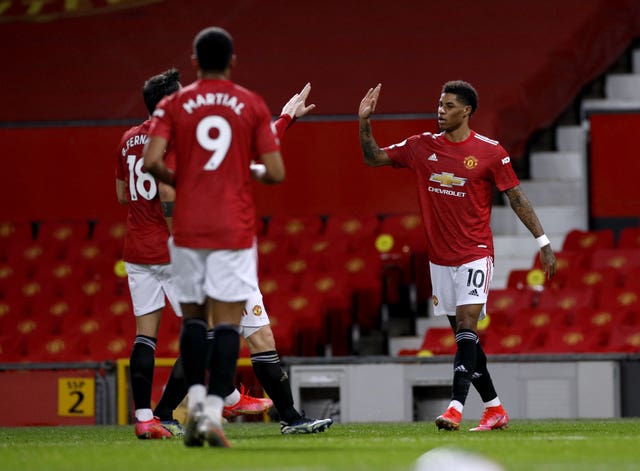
304,93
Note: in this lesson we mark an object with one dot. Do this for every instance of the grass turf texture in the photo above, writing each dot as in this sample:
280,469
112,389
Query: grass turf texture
526,445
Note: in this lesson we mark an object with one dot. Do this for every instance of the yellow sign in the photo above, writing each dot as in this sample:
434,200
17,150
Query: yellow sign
76,397
384,243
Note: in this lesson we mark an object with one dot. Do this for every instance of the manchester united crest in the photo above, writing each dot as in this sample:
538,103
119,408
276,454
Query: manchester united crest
470,162
257,310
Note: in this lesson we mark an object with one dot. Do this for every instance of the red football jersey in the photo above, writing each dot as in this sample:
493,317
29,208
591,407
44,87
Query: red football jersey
147,231
455,183
216,128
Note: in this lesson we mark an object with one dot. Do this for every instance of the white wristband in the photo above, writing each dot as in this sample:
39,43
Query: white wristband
543,240
258,170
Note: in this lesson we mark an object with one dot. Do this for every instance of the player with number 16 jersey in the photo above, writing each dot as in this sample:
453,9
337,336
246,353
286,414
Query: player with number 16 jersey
217,207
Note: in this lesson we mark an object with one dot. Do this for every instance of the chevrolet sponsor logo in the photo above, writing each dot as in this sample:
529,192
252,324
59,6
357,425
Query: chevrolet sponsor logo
447,179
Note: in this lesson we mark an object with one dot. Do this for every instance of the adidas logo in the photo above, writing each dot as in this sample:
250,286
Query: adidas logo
433,158
473,292
460,369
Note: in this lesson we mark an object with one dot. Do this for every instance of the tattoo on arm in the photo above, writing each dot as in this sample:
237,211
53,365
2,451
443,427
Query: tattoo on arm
523,209
370,148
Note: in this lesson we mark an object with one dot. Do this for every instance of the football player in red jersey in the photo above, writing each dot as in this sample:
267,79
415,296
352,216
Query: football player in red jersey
146,254
455,172
217,129
256,330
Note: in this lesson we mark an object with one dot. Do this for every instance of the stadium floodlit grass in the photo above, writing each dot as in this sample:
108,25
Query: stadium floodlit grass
526,445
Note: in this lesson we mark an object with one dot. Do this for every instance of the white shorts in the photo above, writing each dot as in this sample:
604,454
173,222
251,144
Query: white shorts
461,285
254,315
224,275
149,284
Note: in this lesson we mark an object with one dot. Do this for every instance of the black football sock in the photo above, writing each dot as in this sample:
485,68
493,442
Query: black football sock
173,394
224,352
464,364
193,350
481,378
141,365
230,387
275,382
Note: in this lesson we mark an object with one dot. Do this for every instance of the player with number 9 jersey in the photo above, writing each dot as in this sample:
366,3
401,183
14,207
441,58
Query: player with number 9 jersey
146,240
217,128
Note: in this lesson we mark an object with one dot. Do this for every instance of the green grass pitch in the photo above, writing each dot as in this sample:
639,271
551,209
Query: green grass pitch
527,445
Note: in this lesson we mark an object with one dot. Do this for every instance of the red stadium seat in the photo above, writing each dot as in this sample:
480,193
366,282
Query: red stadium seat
356,230
295,229
119,311
65,313
337,297
307,312
622,260
622,299
57,349
13,349
168,345
364,274
571,340
624,339
109,346
439,341
272,251
588,241
59,237
504,340
567,299
508,302
12,232
30,255
62,277
629,238
407,231
601,279
537,320
94,258
110,236
321,251
11,275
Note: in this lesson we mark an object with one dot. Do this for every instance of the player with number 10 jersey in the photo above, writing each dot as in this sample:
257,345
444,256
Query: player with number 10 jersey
217,207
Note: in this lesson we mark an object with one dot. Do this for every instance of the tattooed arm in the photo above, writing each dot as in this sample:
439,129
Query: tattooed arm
523,209
373,155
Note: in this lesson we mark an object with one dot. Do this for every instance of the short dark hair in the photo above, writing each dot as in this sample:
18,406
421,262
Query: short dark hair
465,92
159,86
213,48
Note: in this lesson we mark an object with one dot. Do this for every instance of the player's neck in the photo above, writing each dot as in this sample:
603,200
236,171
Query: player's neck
213,75
459,134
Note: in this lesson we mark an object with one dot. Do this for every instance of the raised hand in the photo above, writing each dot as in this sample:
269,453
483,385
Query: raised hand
368,103
296,106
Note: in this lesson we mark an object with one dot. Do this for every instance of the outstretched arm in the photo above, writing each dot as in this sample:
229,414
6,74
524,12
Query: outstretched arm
373,155
523,209
293,109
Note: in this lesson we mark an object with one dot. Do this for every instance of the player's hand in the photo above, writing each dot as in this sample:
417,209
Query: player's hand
548,261
296,106
368,103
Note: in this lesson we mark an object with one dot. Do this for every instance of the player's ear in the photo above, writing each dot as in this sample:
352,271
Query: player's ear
194,63
233,61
